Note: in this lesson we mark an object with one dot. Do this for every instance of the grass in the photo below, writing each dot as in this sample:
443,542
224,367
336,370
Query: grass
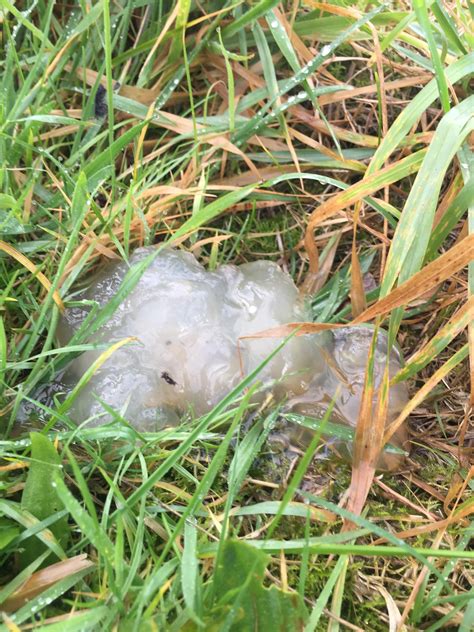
332,138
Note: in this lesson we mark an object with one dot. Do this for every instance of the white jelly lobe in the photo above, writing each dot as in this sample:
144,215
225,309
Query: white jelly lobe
191,349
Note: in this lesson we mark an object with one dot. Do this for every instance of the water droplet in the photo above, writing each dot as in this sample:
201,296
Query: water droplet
325,50
274,24
301,95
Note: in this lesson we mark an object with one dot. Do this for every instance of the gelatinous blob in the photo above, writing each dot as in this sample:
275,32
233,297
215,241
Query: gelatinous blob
188,322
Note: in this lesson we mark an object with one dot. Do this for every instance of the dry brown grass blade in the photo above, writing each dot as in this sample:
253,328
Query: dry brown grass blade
358,301
267,173
398,84
145,96
29,265
427,278
414,532
43,579
171,18
368,440
402,500
314,144
59,132
314,282
308,118
181,125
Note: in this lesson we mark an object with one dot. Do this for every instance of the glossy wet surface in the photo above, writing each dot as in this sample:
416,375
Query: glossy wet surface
187,323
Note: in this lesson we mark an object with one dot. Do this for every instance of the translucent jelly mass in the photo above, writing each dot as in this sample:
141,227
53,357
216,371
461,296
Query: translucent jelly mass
189,351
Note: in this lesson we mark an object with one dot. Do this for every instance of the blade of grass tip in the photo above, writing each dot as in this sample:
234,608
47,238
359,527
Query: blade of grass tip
283,42
394,33
421,12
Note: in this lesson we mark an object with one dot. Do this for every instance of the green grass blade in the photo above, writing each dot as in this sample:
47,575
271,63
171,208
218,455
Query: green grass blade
423,20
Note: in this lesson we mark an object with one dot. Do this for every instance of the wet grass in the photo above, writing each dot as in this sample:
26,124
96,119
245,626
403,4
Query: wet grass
330,138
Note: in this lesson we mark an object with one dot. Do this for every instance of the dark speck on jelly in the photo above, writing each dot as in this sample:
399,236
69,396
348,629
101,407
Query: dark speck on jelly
168,379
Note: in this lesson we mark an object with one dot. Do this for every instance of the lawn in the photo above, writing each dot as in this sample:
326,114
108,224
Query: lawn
334,139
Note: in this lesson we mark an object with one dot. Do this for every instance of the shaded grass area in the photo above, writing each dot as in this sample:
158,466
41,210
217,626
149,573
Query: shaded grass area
330,138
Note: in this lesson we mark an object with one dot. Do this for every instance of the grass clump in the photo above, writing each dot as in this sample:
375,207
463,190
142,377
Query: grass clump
332,138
